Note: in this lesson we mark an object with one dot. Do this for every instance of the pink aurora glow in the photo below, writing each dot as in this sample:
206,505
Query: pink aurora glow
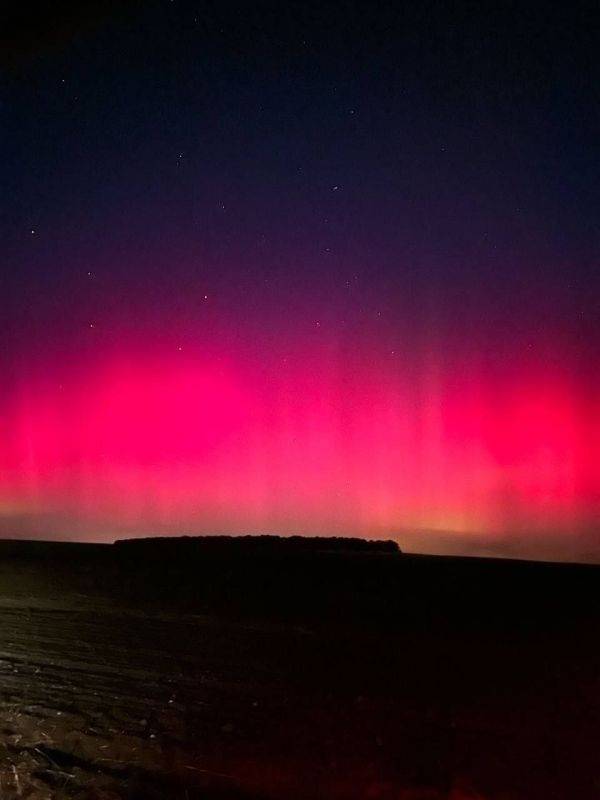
195,445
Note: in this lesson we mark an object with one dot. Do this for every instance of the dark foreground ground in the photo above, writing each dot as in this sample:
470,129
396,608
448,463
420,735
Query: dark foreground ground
132,674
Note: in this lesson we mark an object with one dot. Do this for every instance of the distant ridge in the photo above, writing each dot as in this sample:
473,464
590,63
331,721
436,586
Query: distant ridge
265,544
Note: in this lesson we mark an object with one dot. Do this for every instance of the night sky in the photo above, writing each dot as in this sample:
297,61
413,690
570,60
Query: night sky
295,267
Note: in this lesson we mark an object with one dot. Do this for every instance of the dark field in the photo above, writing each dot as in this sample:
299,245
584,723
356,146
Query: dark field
132,672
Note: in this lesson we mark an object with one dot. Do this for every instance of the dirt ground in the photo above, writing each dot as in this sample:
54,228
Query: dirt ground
100,699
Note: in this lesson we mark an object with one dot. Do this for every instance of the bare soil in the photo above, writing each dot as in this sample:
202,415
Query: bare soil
103,697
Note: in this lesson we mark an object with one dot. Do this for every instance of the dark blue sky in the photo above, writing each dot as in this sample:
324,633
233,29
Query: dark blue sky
462,139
